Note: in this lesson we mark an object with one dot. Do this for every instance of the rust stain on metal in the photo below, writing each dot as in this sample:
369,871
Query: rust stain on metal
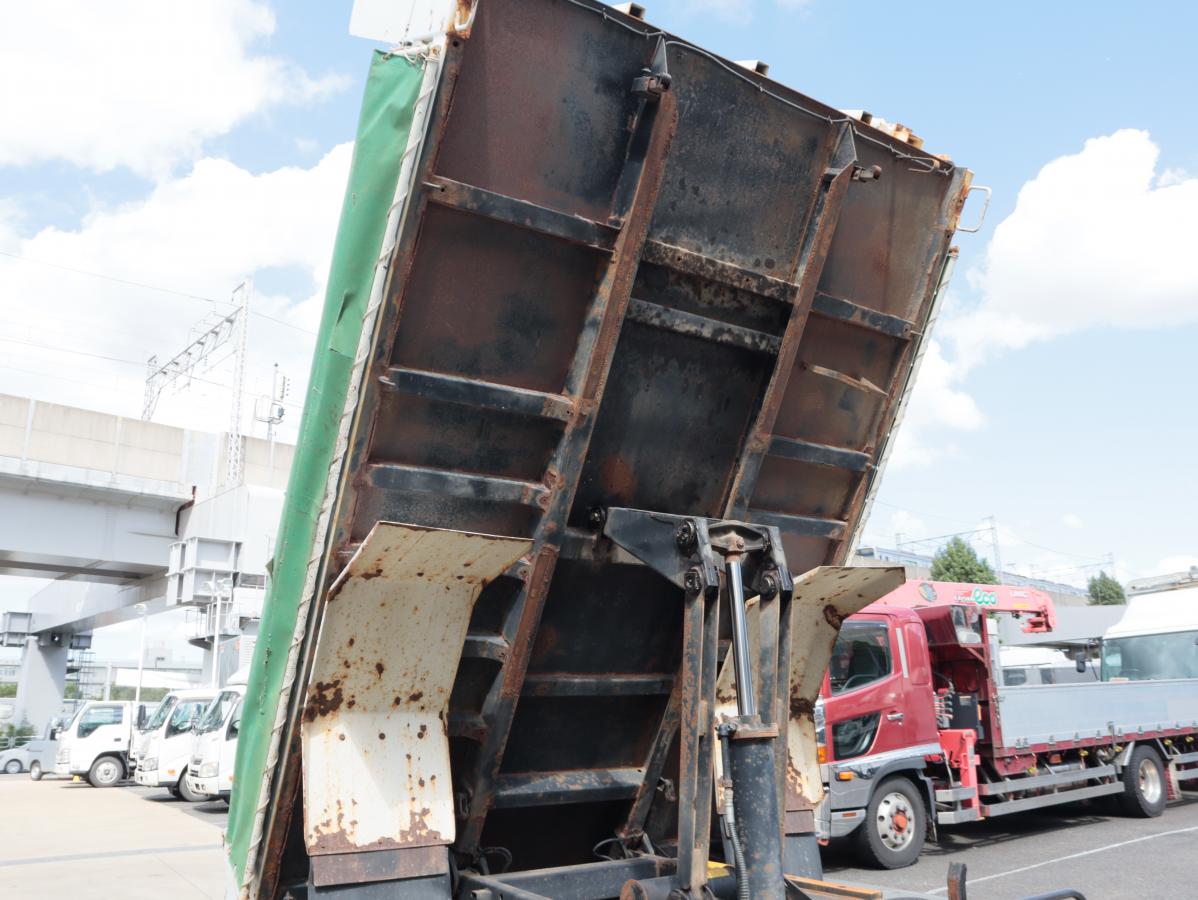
833,616
324,698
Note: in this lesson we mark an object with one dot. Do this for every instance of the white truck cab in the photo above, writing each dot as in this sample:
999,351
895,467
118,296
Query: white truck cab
167,748
96,742
214,750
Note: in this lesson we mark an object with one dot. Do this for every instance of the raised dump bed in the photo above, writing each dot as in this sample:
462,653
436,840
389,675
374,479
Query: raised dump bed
594,286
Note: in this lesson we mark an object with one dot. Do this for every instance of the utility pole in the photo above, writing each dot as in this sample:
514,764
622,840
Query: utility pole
234,454
280,386
994,541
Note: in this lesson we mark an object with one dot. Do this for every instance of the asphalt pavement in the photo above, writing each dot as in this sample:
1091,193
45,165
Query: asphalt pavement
63,840
1084,846
71,841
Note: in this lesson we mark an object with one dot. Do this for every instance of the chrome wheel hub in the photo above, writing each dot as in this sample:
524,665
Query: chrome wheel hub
895,821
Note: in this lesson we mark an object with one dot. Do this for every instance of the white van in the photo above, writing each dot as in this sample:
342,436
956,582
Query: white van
167,748
1156,639
96,742
215,748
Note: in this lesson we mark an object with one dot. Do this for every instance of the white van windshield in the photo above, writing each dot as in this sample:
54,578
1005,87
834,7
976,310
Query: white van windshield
160,714
1149,657
217,711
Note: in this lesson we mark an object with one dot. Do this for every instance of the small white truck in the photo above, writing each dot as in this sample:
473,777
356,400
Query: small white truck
214,747
167,749
96,742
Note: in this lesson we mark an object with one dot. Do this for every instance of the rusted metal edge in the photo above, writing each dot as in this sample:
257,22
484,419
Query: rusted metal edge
378,865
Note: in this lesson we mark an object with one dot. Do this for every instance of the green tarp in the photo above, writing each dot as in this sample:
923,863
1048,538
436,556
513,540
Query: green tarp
392,90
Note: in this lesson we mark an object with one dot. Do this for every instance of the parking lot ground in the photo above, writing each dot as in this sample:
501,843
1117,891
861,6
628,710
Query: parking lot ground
74,842
1082,846
67,840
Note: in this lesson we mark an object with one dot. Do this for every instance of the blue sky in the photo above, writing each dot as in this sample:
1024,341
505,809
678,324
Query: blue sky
1059,397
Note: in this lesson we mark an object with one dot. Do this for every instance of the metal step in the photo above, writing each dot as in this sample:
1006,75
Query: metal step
1074,776
1013,806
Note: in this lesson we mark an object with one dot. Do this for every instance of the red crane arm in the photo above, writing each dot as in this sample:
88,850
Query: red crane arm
1023,601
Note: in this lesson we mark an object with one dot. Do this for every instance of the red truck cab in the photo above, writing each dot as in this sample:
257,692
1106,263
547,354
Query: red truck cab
906,673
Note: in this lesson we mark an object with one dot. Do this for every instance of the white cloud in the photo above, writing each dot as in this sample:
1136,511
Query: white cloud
200,233
1071,520
935,402
1095,240
136,83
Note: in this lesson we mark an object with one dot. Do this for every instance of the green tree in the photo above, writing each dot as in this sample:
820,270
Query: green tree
8,689
1105,591
957,561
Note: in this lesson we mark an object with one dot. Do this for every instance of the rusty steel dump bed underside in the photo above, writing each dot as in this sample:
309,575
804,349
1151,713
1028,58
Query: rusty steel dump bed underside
632,275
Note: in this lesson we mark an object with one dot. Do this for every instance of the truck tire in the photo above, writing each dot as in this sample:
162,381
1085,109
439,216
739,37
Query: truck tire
35,770
186,793
105,772
895,825
1144,792
12,767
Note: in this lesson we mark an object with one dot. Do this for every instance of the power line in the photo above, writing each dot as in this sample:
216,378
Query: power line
148,287
139,284
116,359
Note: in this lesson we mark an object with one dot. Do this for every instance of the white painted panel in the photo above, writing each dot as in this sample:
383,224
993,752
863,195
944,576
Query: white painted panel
375,743
822,598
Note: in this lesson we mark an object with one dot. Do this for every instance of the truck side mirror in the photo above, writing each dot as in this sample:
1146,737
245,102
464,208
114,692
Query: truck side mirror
54,732
1079,660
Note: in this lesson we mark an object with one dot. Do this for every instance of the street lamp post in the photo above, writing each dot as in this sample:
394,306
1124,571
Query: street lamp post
218,589
141,654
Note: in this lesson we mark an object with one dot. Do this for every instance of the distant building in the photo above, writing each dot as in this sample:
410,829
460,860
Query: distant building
919,566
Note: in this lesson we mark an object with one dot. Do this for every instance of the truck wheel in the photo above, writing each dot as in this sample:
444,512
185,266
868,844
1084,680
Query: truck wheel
105,772
35,770
12,767
186,793
895,825
1143,784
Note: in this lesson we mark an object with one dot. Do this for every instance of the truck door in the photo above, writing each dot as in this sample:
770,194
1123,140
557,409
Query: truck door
175,752
228,750
102,728
865,713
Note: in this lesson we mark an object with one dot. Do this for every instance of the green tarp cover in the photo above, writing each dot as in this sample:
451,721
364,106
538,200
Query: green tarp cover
392,90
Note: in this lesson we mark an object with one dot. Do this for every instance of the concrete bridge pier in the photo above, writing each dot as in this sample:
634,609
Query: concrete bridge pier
42,680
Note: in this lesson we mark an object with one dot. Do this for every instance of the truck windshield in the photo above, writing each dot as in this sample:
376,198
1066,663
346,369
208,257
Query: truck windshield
1150,657
160,714
861,655
217,712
